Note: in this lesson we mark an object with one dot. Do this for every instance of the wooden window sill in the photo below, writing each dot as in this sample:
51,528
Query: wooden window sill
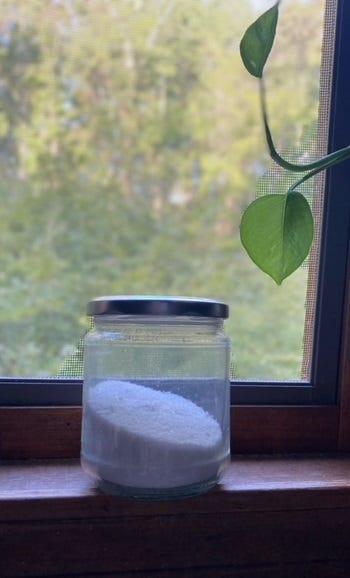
270,517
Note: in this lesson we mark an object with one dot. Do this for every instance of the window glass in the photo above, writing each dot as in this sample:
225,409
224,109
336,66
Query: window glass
130,144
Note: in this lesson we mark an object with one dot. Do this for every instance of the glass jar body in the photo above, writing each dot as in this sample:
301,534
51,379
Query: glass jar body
156,420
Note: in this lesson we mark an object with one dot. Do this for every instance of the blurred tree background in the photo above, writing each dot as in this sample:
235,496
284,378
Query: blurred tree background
130,143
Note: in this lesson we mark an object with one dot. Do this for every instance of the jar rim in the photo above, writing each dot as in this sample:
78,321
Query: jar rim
157,305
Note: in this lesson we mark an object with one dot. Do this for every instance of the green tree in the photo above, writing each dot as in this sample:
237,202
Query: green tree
129,147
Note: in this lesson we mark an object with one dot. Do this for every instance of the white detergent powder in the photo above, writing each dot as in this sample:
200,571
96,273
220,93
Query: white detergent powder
136,436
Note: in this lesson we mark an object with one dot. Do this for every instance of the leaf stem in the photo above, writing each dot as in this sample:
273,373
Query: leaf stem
317,170
315,166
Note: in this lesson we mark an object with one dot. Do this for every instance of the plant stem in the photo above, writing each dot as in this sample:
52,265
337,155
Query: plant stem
314,172
315,166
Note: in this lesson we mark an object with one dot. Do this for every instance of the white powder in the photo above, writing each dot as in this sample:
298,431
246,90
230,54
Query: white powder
140,437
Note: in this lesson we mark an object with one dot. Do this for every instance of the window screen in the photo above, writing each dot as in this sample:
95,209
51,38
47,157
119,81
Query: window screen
130,144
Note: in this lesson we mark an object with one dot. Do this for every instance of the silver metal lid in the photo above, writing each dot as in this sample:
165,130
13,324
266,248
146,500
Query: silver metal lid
157,305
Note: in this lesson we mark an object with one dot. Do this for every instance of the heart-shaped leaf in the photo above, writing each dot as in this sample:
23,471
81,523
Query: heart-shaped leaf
257,41
277,232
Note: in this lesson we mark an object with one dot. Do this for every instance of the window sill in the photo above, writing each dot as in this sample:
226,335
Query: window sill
55,432
270,516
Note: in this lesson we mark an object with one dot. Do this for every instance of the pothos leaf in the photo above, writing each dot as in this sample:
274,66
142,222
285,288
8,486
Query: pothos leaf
277,232
257,41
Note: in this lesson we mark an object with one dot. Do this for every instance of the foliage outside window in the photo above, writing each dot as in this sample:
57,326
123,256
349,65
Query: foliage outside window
131,143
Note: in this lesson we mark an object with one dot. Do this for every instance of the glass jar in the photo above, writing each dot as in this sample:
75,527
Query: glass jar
156,397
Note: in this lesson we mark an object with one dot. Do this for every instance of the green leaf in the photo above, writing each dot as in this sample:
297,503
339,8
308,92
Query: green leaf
257,41
277,232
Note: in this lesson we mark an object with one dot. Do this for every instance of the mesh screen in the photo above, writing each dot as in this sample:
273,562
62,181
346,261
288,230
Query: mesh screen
131,142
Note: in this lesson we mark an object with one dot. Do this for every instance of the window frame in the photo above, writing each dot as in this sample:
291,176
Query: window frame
305,416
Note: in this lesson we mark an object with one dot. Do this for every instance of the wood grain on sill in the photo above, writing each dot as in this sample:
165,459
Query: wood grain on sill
249,483
269,518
